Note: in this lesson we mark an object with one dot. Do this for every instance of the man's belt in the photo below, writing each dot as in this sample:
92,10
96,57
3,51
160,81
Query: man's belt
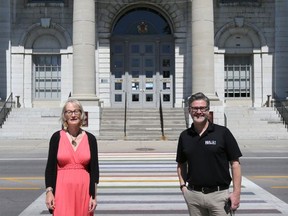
207,190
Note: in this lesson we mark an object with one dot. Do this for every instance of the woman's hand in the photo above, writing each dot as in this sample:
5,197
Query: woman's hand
50,200
92,204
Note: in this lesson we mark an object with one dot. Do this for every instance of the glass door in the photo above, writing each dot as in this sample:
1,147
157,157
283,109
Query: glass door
118,78
166,74
141,91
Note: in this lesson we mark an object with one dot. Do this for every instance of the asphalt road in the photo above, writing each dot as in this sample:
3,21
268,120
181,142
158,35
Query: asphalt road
268,168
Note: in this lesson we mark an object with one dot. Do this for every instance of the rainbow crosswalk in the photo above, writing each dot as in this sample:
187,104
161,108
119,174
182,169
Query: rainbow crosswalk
141,184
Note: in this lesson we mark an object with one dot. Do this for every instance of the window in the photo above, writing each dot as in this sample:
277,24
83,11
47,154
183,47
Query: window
47,76
142,21
237,76
45,1
239,2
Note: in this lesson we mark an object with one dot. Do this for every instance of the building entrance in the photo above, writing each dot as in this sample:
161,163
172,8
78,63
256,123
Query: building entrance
148,77
142,60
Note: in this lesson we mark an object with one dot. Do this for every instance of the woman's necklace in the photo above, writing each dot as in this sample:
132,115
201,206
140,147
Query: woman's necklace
73,139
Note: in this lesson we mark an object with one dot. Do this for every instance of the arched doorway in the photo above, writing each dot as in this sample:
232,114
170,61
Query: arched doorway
46,69
243,51
142,60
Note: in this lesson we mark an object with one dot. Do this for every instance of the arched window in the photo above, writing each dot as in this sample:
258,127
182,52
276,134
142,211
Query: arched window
142,21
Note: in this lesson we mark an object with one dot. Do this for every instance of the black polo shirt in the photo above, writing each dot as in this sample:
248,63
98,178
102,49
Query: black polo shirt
208,155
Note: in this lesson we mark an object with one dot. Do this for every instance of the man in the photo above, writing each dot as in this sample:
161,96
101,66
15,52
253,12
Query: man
204,153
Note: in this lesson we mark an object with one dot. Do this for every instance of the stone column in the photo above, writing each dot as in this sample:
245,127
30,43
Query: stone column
84,78
84,74
5,26
203,47
281,49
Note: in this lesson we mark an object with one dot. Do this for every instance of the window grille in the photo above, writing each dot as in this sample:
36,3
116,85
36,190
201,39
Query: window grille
47,76
237,78
45,1
239,3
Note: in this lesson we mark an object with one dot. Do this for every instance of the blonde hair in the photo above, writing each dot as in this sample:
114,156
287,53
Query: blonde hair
80,107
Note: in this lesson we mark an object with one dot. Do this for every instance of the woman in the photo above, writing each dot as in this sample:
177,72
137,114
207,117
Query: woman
72,171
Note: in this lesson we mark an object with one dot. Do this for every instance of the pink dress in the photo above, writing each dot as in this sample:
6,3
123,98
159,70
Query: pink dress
72,186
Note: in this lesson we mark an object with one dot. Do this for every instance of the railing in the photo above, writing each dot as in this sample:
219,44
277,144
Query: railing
282,107
186,112
161,118
5,110
125,115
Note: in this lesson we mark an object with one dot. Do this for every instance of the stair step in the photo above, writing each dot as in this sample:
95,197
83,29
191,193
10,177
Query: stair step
141,124
255,123
31,123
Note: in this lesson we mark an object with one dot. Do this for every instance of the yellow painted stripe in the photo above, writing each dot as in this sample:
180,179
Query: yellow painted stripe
279,187
21,178
268,177
9,188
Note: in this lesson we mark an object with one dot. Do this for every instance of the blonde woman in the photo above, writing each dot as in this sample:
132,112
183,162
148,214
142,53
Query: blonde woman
72,170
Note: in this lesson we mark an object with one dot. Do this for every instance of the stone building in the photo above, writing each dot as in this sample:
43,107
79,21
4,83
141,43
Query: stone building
106,52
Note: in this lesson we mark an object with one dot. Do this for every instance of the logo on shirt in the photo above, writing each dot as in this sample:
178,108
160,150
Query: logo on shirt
210,142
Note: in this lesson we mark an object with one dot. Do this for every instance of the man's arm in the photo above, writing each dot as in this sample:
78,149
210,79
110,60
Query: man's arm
237,179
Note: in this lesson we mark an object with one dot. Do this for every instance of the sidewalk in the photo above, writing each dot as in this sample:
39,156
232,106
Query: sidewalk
250,146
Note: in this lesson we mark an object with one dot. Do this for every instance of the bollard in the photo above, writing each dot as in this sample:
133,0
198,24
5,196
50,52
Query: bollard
268,100
18,102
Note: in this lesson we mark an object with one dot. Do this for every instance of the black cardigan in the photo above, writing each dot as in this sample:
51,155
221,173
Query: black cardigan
51,166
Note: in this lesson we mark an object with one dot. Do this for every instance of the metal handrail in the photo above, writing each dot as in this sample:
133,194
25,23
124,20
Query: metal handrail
161,119
125,115
282,107
5,110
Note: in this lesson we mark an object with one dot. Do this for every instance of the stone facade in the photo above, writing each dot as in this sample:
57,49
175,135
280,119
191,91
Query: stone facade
254,29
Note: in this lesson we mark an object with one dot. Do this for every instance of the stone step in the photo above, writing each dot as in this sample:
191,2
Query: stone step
141,124
35,123
255,123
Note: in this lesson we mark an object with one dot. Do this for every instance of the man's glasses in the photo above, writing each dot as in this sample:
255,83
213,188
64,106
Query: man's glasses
70,112
195,109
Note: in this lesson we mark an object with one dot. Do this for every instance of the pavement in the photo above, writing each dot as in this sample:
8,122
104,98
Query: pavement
139,178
